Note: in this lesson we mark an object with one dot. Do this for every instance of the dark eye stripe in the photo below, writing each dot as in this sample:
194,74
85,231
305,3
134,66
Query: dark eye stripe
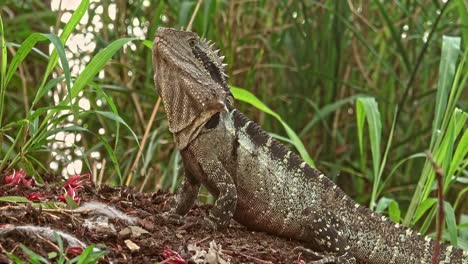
209,66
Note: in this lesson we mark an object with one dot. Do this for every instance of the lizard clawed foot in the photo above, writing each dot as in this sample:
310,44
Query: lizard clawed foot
346,258
202,223
171,218
308,252
187,222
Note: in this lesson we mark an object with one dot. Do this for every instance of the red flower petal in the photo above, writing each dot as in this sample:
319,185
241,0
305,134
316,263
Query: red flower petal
34,197
172,257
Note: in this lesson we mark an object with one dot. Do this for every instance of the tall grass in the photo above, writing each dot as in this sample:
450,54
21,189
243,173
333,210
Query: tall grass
359,89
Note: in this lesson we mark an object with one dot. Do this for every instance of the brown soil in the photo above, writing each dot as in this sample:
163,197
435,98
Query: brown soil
238,245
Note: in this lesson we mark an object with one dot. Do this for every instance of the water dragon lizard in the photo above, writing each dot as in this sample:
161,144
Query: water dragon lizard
256,180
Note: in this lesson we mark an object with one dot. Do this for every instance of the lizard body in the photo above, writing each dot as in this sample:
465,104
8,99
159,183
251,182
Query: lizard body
259,182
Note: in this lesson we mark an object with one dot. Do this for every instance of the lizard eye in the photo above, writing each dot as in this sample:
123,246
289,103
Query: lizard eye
192,42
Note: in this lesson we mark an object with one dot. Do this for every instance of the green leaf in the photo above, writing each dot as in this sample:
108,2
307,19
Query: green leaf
463,13
85,254
33,257
113,157
248,97
14,199
367,107
448,61
148,43
383,204
14,258
461,150
451,223
22,52
54,39
43,91
394,212
52,255
70,202
67,30
422,209
118,119
444,112
327,110
95,65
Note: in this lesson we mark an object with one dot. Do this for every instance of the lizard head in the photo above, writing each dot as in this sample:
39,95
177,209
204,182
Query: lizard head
189,76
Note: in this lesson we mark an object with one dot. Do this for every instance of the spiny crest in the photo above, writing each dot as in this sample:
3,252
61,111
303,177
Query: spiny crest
209,47
212,61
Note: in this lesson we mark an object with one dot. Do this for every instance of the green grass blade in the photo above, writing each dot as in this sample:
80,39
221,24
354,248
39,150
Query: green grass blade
3,61
394,212
59,241
118,119
387,150
26,48
248,97
83,258
33,257
67,30
95,65
460,153
14,258
54,39
360,122
367,106
422,209
462,11
113,107
6,157
14,199
450,53
451,223
113,158
43,91
21,54
323,112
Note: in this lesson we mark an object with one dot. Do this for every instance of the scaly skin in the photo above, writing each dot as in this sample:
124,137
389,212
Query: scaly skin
259,182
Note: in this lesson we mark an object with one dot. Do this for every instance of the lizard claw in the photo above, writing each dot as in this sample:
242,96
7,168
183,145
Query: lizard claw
346,258
171,217
300,250
203,223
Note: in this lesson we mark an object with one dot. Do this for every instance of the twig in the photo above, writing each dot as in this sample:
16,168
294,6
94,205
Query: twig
101,173
440,194
143,141
362,18
53,245
202,240
189,27
68,212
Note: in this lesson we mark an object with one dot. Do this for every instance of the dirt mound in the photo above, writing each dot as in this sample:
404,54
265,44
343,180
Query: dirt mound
138,235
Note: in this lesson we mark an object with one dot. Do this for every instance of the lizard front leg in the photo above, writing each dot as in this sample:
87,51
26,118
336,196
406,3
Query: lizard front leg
183,200
221,183
186,195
